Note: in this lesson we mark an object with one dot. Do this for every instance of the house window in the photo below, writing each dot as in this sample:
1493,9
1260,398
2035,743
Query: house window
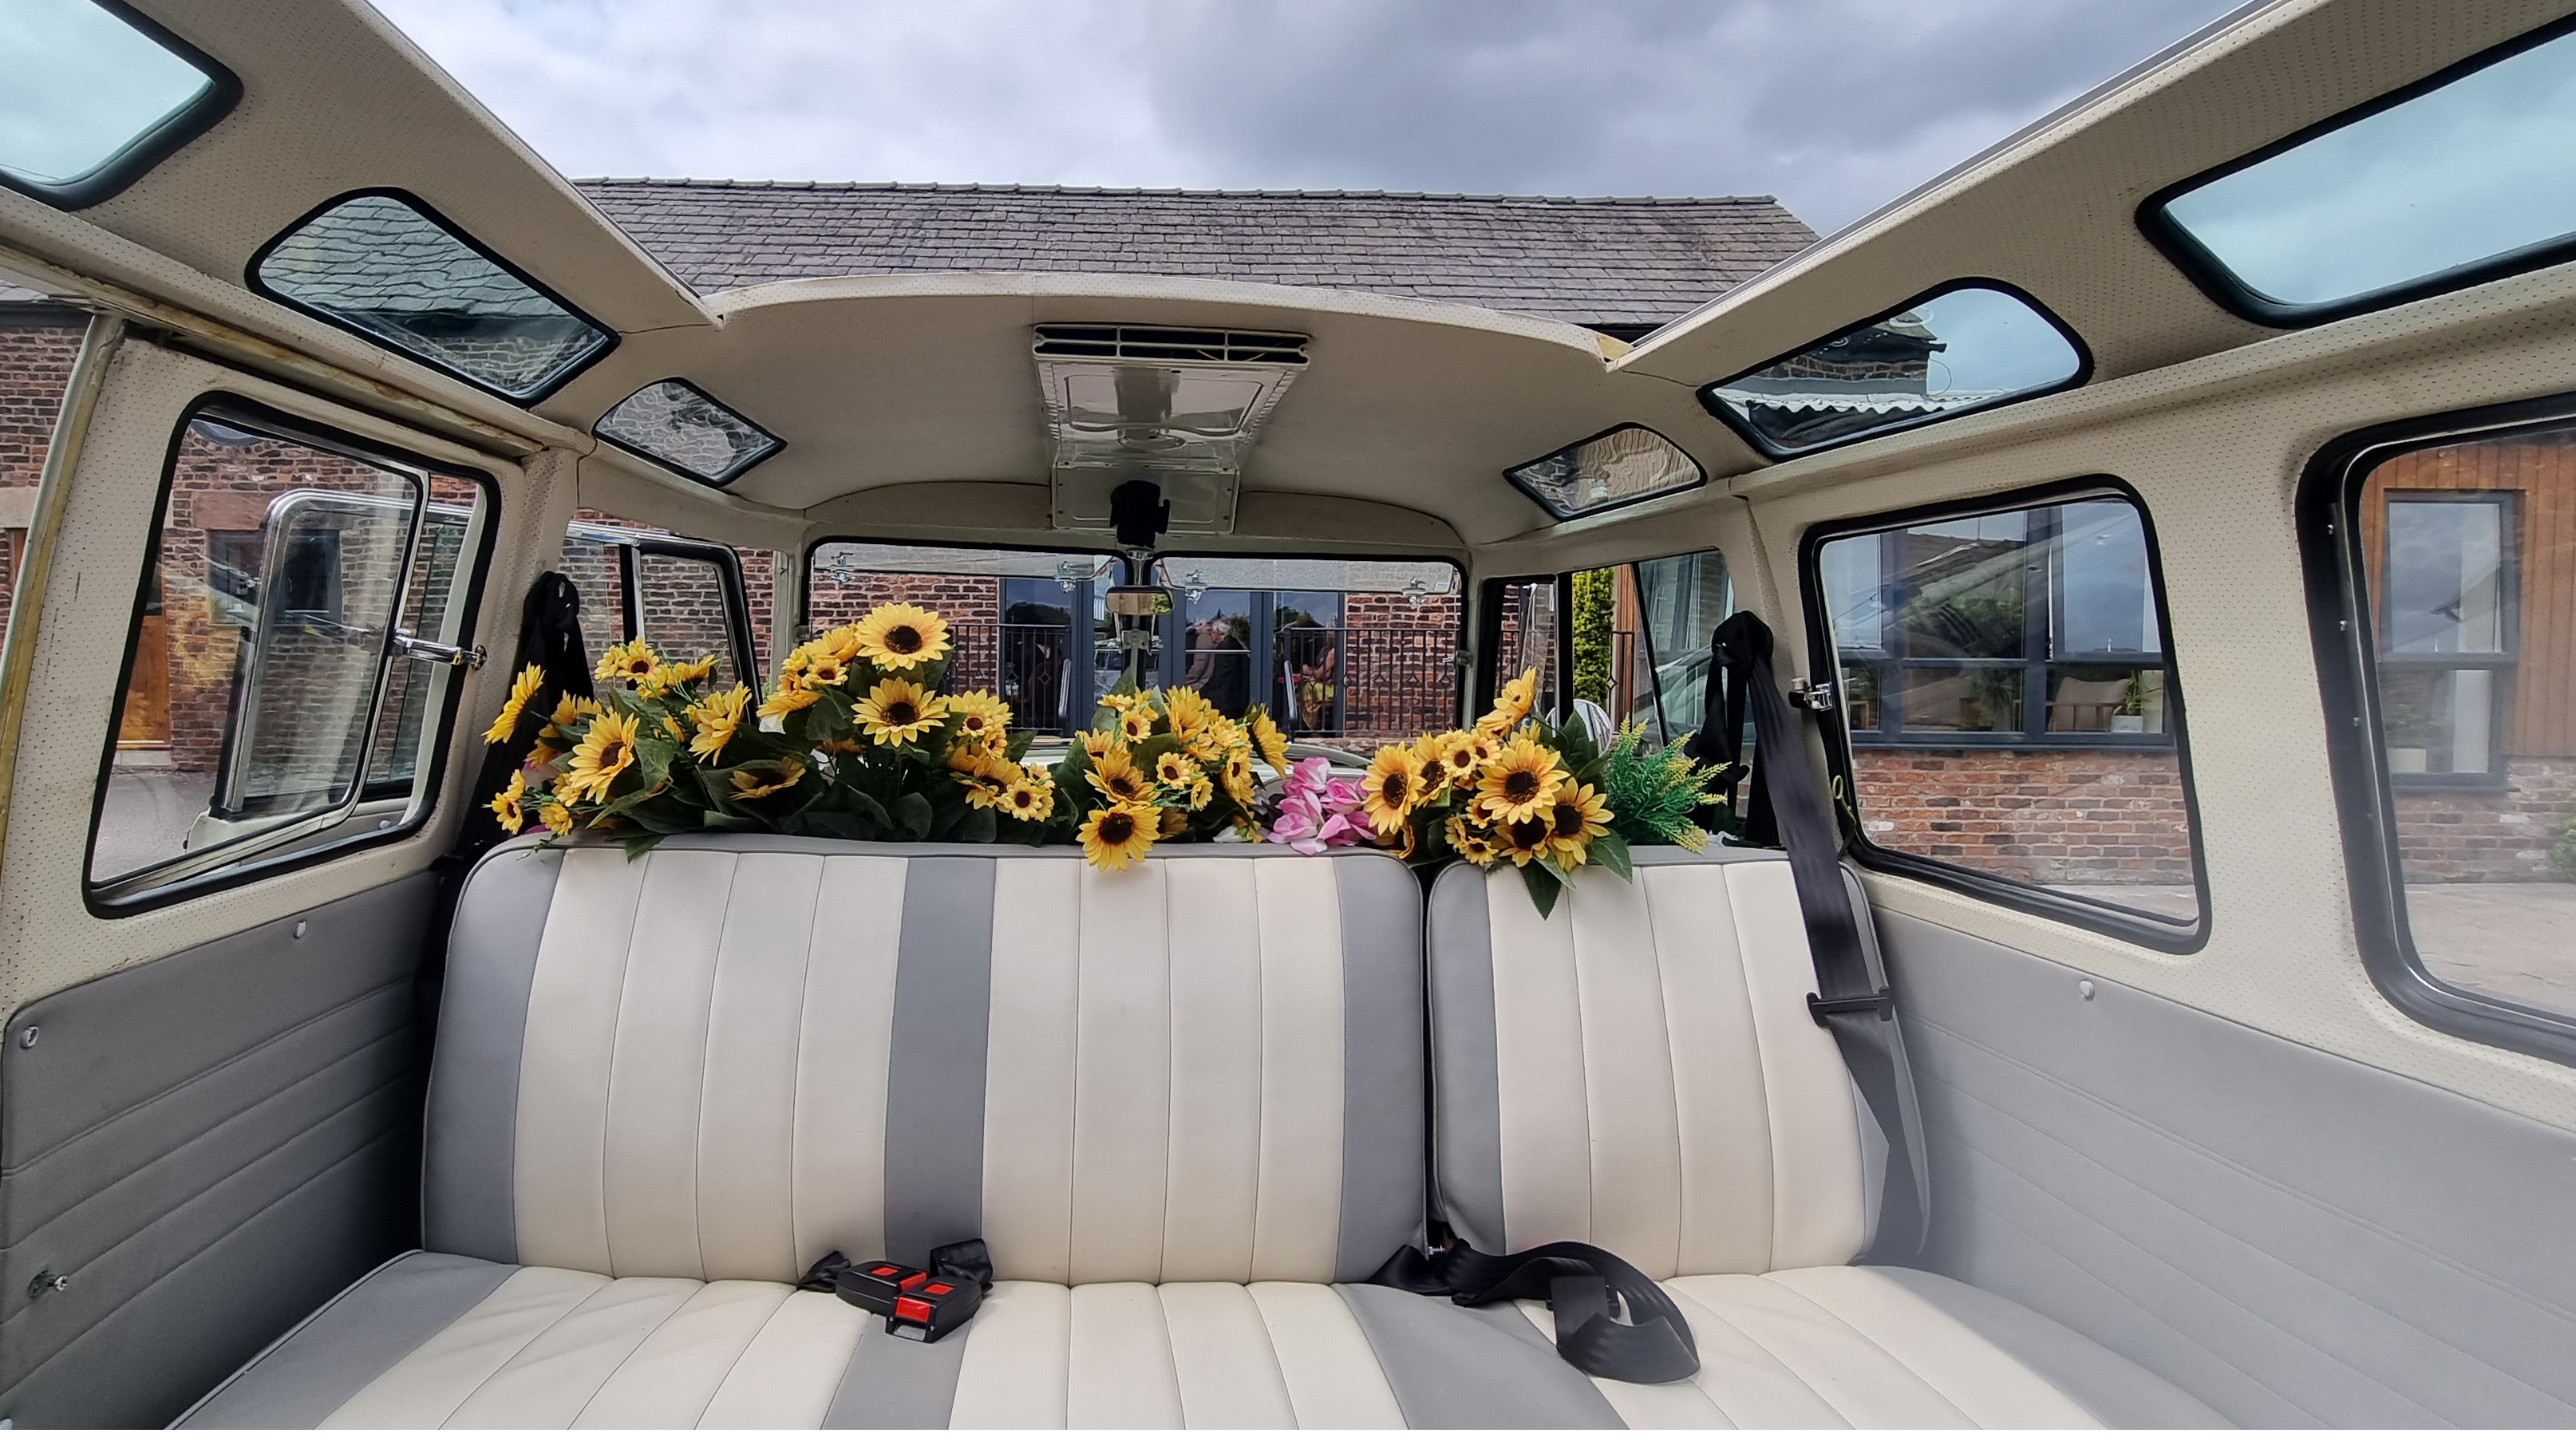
2009,720
2447,637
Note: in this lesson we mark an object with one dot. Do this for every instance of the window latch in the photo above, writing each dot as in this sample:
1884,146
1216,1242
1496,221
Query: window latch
432,651
1818,696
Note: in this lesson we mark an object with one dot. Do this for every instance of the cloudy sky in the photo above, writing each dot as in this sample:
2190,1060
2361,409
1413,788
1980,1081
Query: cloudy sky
1835,106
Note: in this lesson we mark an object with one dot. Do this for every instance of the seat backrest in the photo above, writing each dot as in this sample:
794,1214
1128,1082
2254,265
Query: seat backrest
1638,1069
737,1053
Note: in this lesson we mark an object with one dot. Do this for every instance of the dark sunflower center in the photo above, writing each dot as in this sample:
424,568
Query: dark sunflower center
1395,789
1569,820
903,639
1432,774
1116,830
639,667
901,712
1528,834
613,758
1520,785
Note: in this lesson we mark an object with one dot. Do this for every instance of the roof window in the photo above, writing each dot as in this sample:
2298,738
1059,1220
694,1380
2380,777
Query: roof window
383,264
2468,175
1628,464
680,427
1964,346
92,96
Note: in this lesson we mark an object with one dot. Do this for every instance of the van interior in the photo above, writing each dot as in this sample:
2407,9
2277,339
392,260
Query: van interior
2055,1056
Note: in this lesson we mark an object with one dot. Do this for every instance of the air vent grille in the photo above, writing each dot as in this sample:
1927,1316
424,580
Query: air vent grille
1170,344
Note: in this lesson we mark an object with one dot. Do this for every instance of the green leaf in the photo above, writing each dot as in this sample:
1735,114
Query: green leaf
980,827
1017,744
912,813
637,842
1544,887
1610,852
1549,864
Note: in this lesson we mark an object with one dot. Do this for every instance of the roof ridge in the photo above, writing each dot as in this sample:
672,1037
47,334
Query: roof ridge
1058,189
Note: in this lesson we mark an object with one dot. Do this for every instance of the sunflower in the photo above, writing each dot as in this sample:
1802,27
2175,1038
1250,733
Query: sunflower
1580,816
629,663
988,779
702,667
1188,710
717,717
978,713
541,754
1511,706
505,806
1429,767
766,777
522,689
1391,788
1117,836
786,700
1520,782
1095,743
1238,777
791,670
601,757
1272,744
898,711
1031,798
1528,840
1463,752
900,636
554,816
1115,775
840,645
1121,702
1136,724
1474,846
1176,771
827,671
569,710
1174,821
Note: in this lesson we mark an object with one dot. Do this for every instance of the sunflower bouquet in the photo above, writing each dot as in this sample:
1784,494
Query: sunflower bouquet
856,741
1546,799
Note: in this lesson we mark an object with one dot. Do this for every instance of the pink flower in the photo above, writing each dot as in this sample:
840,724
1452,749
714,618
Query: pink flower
1317,812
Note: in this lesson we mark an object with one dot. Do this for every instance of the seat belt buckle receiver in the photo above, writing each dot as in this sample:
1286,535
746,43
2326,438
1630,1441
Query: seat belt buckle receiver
1877,1003
930,1310
876,1285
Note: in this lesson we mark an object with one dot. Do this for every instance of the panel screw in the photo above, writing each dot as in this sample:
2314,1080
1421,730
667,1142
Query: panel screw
27,1038
2084,989
299,930
48,1281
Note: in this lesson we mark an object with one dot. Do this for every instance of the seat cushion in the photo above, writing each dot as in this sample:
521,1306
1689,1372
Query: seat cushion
736,1053
432,1340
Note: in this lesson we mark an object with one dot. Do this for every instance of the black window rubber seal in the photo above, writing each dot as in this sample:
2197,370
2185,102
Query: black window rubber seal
155,145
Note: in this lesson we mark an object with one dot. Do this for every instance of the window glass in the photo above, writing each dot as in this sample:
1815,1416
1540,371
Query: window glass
2468,551
38,345
1640,641
1965,348
635,581
2018,721
684,429
270,701
2455,180
375,264
1030,626
1350,653
1522,635
1623,466
81,88
686,611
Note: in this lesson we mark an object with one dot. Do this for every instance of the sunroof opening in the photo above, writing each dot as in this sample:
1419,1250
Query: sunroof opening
1628,464
1965,346
92,96
678,426
382,264
2463,177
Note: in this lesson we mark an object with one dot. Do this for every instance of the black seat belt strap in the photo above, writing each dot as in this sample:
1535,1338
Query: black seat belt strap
1851,998
1586,1288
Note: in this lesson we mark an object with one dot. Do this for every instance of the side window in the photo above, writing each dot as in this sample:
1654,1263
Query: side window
1524,621
687,599
2464,556
294,653
1029,627
39,342
1641,633
2009,709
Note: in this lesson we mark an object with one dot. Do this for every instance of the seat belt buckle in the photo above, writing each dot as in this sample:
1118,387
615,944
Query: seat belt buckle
876,1285
930,1310
1877,1003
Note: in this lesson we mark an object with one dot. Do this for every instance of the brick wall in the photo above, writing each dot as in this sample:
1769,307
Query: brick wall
683,600
2048,816
35,369
2488,835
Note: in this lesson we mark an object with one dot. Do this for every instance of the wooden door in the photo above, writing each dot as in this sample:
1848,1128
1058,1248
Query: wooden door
146,725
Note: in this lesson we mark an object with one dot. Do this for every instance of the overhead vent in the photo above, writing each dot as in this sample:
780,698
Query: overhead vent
1178,406
1170,344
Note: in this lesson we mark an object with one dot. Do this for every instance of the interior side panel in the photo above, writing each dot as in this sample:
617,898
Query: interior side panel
2295,1238
207,1147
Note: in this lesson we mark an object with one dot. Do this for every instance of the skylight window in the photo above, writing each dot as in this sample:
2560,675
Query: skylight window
2466,176
1628,464
683,429
1967,346
91,98
381,264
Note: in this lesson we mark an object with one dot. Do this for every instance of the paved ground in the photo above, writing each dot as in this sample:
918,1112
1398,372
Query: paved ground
2516,941
147,816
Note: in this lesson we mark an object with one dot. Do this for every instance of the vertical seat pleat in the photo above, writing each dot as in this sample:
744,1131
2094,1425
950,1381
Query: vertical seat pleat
1222,1359
1628,1075
838,1202
431,1381
671,1377
1121,1373
1817,1208
1122,1108
1018,1356
1029,1068
1296,1221
1860,1381
1333,1377
1987,1384
1724,1126
657,1078
1217,1068
787,1374
548,1383
746,1130
560,1163
1538,1032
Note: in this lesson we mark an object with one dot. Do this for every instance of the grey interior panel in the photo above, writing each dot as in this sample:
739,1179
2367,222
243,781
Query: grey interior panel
207,1147
2292,1237
387,1314
469,1150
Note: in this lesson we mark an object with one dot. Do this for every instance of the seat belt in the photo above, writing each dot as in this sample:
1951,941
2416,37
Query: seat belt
1586,1288
1851,998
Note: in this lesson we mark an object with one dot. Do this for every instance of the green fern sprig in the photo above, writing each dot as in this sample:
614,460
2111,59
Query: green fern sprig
1654,793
